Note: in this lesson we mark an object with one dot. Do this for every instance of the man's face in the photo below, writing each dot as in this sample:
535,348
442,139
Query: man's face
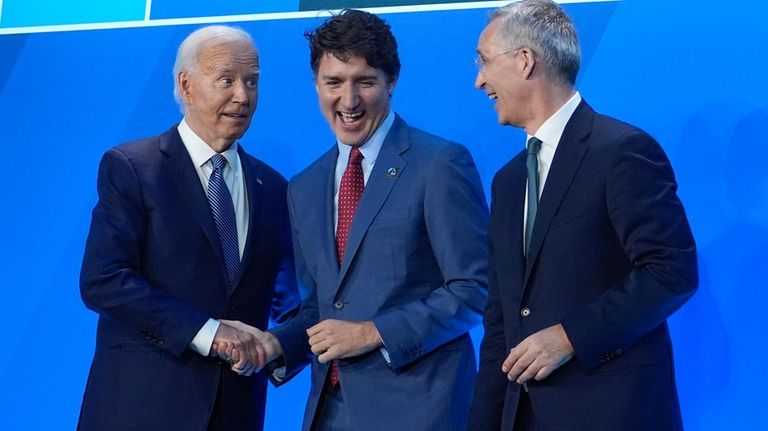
354,97
501,76
221,95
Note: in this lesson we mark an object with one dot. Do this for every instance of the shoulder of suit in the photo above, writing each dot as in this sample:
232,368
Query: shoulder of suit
429,142
265,171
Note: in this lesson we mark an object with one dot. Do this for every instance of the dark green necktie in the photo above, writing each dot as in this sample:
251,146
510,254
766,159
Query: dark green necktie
532,164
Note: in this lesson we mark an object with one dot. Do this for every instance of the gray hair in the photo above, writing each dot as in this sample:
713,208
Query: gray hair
542,26
193,45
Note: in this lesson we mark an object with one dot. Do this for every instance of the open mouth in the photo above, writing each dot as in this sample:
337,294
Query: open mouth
492,96
350,119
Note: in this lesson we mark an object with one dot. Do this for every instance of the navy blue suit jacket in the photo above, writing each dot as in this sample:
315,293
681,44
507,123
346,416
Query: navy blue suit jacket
154,272
611,257
415,265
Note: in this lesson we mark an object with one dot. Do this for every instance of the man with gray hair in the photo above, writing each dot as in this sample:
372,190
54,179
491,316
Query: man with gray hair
590,248
189,248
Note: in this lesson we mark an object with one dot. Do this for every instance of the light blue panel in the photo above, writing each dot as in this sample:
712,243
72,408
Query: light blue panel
23,13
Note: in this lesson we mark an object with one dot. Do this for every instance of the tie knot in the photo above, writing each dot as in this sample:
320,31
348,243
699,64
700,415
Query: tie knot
534,144
355,156
218,161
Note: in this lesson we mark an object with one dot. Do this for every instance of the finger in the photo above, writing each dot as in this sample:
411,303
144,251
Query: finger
321,347
514,354
326,357
316,329
543,373
261,356
520,366
528,372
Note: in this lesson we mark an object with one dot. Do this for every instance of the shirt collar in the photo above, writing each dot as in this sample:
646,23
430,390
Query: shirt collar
199,151
372,146
550,132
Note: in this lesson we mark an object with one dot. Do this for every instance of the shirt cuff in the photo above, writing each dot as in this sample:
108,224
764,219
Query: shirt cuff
385,353
203,341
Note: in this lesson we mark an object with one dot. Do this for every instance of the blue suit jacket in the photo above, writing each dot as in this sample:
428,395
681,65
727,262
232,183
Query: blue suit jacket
611,257
154,272
415,264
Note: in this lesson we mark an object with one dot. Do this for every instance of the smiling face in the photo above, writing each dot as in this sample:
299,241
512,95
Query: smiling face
502,76
221,95
354,97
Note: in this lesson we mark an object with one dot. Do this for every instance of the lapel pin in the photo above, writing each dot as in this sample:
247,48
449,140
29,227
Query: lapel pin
258,180
391,172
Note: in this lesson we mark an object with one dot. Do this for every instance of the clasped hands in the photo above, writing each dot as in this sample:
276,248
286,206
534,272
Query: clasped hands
246,348
249,349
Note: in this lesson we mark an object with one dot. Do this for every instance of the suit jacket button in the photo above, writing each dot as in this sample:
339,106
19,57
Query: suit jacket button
338,305
525,312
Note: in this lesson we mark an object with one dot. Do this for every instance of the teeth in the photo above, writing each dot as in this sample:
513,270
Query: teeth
493,96
349,117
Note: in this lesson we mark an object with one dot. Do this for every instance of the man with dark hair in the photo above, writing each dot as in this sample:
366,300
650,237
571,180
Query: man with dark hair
590,248
189,230
389,233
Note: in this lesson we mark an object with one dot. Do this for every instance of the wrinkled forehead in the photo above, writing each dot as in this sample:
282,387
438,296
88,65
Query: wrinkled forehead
239,54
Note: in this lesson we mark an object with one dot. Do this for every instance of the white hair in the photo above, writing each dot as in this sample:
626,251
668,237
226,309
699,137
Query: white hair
193,45
542,26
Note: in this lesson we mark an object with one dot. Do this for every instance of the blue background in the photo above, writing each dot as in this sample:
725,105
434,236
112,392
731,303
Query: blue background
692,73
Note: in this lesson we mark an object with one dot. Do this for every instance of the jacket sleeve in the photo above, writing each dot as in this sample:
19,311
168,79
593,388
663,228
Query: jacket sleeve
111,282
652,228
456,218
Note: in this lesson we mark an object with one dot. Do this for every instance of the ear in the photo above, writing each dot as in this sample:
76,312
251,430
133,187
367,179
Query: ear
184,83
527,62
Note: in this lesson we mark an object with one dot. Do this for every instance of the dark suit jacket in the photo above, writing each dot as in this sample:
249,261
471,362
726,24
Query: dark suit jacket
611,257
415,264
154,272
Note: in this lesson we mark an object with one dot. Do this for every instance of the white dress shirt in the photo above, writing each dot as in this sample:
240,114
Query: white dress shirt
201,154
550,133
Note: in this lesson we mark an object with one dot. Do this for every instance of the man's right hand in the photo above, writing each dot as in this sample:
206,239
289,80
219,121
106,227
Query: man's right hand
256,349
238,347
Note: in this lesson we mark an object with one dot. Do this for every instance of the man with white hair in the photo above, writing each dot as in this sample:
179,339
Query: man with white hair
189,230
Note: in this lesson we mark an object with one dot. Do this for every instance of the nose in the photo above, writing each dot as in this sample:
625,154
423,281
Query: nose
350,97
480,80
240,92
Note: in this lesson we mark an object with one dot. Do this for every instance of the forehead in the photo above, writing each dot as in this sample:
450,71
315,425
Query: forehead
488,38
353,66
229,55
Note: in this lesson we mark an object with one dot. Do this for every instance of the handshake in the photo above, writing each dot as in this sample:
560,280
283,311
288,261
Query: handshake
247,349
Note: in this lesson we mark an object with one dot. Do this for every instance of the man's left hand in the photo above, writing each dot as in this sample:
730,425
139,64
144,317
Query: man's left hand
538,355
334,339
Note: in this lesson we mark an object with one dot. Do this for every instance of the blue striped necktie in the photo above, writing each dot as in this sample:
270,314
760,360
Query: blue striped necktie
224,214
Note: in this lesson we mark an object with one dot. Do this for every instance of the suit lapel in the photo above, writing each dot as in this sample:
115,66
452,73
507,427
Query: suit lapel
568,157
377,189
255,191
324,186
513,211
183,173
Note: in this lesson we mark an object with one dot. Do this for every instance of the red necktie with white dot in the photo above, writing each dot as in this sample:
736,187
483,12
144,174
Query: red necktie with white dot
350,191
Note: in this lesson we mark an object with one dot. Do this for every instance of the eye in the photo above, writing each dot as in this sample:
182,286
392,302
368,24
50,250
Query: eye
225,80
367,83
252,83
333,83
